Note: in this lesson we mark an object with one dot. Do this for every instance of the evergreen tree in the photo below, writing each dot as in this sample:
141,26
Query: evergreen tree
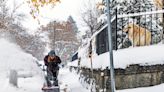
151,22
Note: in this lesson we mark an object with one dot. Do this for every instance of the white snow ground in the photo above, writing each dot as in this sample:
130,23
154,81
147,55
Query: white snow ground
70,81
12,57
158,88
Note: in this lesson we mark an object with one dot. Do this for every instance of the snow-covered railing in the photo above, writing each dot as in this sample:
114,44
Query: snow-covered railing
140,14
129,15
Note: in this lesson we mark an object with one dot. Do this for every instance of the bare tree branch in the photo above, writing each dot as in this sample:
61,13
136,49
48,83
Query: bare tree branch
89,16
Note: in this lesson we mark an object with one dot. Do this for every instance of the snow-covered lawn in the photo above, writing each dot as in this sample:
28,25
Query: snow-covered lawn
146,55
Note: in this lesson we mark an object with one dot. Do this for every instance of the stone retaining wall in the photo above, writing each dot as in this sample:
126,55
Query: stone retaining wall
132,77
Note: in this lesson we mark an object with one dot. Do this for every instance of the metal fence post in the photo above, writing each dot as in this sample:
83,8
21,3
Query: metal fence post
110,47
116,31
163,25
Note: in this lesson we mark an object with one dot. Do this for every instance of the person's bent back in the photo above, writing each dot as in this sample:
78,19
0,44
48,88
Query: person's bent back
52,61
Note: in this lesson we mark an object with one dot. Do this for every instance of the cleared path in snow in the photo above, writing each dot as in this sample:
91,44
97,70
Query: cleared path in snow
69,81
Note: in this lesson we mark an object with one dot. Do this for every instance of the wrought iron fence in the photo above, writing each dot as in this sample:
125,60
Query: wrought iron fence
132,30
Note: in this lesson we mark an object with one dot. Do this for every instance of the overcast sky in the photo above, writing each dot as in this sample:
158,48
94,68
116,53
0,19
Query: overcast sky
60,12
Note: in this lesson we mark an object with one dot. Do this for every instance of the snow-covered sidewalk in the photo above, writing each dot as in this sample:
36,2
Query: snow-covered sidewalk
70,81
158,88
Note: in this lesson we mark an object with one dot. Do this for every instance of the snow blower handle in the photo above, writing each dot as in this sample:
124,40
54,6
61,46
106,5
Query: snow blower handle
44,68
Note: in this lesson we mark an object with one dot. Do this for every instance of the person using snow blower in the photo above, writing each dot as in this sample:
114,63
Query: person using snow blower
52,61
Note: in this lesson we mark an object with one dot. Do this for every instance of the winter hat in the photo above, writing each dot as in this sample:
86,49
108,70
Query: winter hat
52,53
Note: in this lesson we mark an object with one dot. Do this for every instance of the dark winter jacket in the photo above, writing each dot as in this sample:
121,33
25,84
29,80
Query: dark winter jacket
52,66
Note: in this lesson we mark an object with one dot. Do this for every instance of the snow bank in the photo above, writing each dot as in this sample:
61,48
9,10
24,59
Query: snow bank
12,57
74,63
147,55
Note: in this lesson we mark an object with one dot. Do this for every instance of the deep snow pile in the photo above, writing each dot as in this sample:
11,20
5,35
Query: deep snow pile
146,55
12,57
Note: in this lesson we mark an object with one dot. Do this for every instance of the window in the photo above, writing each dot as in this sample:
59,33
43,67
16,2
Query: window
102,42
75,56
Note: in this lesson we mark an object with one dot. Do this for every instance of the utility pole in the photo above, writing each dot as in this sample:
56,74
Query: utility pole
110,47
54,33
52,28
